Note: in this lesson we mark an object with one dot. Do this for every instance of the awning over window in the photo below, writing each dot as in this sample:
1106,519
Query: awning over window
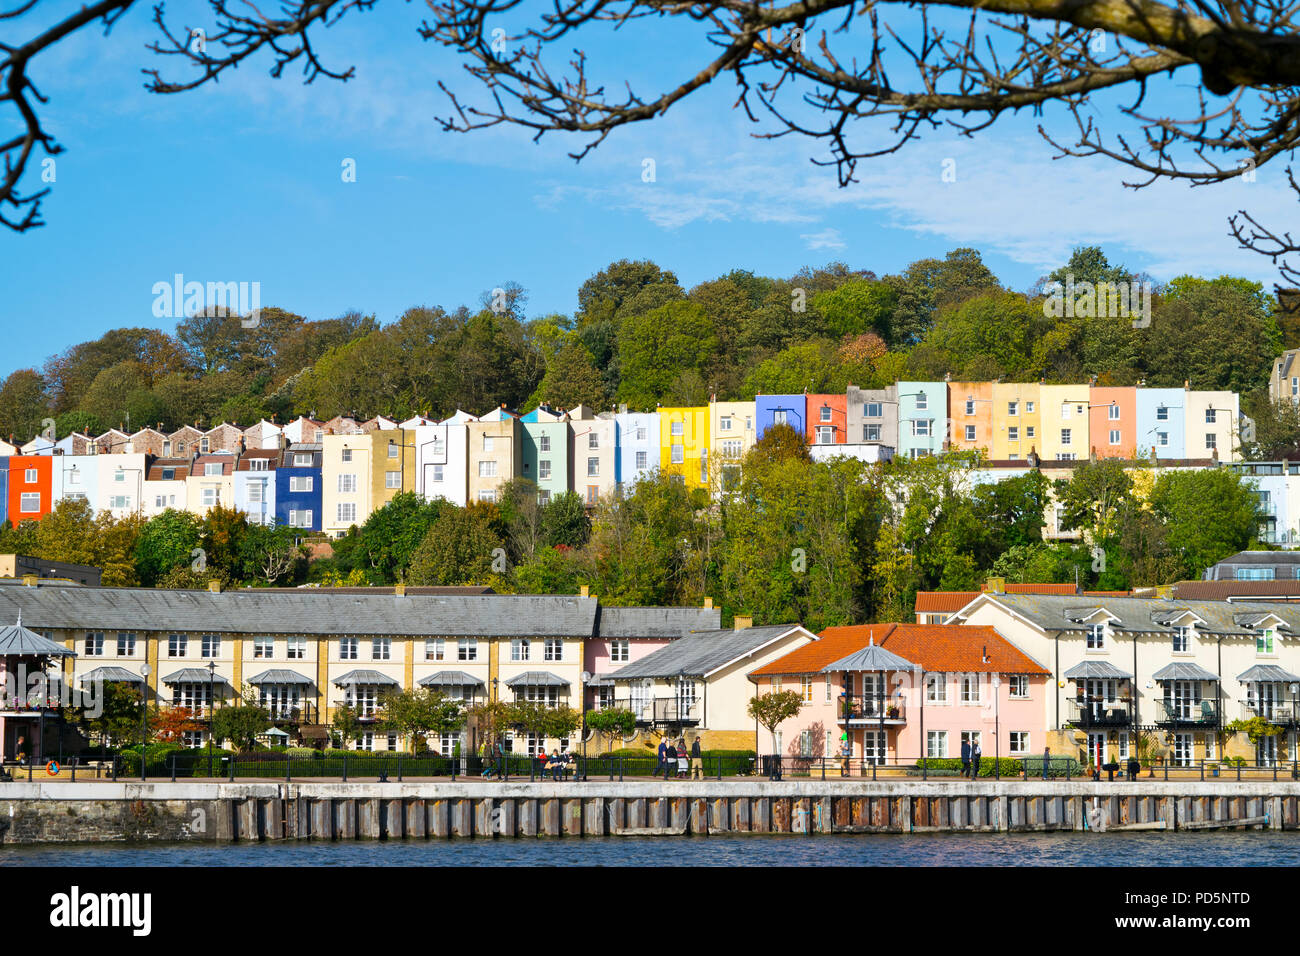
193,675
451,679
279,675
118,675
1096,670
365,678
537,679
1267,673
1184,670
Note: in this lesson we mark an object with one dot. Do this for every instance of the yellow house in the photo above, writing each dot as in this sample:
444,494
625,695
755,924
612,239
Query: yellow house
393,455
1063,421
684,444
495,452
732,434
362,472
1016,421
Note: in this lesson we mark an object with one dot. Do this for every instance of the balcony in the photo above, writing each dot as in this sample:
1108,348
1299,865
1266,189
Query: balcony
1280,712
1090,712
860,709
667,710
1186,713
301,713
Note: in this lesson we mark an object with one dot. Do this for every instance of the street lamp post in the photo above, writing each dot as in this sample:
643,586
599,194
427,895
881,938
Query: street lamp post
144,712
997,731
212,694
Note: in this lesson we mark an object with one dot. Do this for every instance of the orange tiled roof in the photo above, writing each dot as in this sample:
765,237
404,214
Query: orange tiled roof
833,645
935,647
951,601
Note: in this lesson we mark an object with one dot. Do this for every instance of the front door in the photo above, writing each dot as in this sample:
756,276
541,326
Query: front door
1266,752
1096,749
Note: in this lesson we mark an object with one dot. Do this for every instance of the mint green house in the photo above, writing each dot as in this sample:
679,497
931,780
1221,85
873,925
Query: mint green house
546,451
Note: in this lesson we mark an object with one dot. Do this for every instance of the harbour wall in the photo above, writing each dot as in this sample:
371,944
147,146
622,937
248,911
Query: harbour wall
102,812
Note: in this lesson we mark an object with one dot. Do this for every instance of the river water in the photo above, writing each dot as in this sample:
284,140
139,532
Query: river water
1240,848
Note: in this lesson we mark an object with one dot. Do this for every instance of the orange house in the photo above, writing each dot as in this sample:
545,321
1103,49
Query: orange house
970,413
828,419
1112,421
31,487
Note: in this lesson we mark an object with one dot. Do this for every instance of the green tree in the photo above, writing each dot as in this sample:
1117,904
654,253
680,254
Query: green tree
771,709
24,405
1091,500
346,724
118,720
565,521
1213,333
221,535
271,554
655,348
387,542
458,549
857,306
240,723
612,723
572,379
1275,433
414,714
811,366
930,285
1209,514
781,442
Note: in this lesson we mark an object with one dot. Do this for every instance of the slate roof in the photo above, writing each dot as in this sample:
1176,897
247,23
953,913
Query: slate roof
941,602
302,611
537,679
1258,591
701,653
366,678
1184,670
18,641
193,675
451,679
1268,672
668,622
1098,669
111,674
1135,615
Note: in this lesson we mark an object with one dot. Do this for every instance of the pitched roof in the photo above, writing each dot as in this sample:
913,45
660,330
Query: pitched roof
537,679
366,678
111,674
300,611
451,679
703,652
950,601
670,622
279,675
18,641
835,643
873,657
1226,590
934,647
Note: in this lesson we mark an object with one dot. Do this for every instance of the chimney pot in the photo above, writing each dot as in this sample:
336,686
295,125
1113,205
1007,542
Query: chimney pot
584,591
708,603
743,621
214,586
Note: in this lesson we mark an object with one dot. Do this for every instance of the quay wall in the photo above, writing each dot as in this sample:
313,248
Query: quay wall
100,812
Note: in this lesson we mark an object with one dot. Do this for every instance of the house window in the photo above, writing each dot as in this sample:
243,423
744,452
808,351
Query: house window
345,454
642,460
263,647
922,401
213,470
1019,743
1162,414
1210,416
921,428
1029,431
348,648
211,496
1264,642
392,450
487,496
1210,442
780,417
258,464
177,645
970,406
299,518
724,423
1018,686
873,747
169,474
640,433
192,696
1162,439
487,443
519,649
296,648
825,413
1013,408
300,483
1181,635
347,484
437,474
593,467
94,644
593,494
554,649
347,512
1096,637
255,492
825,435
871,433
30,502
675,428
487,469
970,688
204,445
1114,436
381,648
544,469
126,644
620,651
210,646
467,649
1013,433
678,455
1029,408
806,688
392,479
1182,750
302,461
936,743
732,449
970,432
593,441
1113,412
1065,436
435,649
119,501
872,410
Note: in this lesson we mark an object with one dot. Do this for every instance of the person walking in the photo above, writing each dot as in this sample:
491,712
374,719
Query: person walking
663,759
683,761
975,754
1047,760
965,757
697,760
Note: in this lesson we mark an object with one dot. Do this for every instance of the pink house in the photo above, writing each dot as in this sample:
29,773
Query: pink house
897,692
627,634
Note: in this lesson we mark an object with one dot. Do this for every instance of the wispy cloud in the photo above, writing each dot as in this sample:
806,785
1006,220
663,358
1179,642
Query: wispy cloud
826,239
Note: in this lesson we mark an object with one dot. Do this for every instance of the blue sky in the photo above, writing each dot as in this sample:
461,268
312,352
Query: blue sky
242,182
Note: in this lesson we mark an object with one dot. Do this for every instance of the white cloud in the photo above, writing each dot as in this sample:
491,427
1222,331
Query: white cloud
826,239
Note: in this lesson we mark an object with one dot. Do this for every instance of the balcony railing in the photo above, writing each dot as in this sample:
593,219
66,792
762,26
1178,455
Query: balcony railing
1282,712
288,713
1099,712
1186,713
872,707
666,710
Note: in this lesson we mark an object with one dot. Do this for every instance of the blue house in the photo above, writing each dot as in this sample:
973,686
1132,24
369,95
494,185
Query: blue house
1162,422
772,410
638,446
298,491
922,418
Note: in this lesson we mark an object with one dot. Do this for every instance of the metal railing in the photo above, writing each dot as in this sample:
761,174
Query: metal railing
1198,713
872,707
664,710
1099,712
1281,712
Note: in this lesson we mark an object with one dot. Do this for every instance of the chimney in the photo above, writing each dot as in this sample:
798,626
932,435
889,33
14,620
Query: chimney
30,580
708,604
399,589
214,586
743,621
996,585
584,591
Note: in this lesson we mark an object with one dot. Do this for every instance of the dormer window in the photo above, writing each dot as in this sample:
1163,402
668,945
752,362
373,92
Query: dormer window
1264,642
1182,639
1096,637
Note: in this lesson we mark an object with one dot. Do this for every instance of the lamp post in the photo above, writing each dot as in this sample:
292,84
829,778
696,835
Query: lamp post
212,695
144,713
997,730
583,678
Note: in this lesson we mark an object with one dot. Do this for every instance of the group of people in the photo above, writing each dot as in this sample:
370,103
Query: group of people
674,759
558,764
970,758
